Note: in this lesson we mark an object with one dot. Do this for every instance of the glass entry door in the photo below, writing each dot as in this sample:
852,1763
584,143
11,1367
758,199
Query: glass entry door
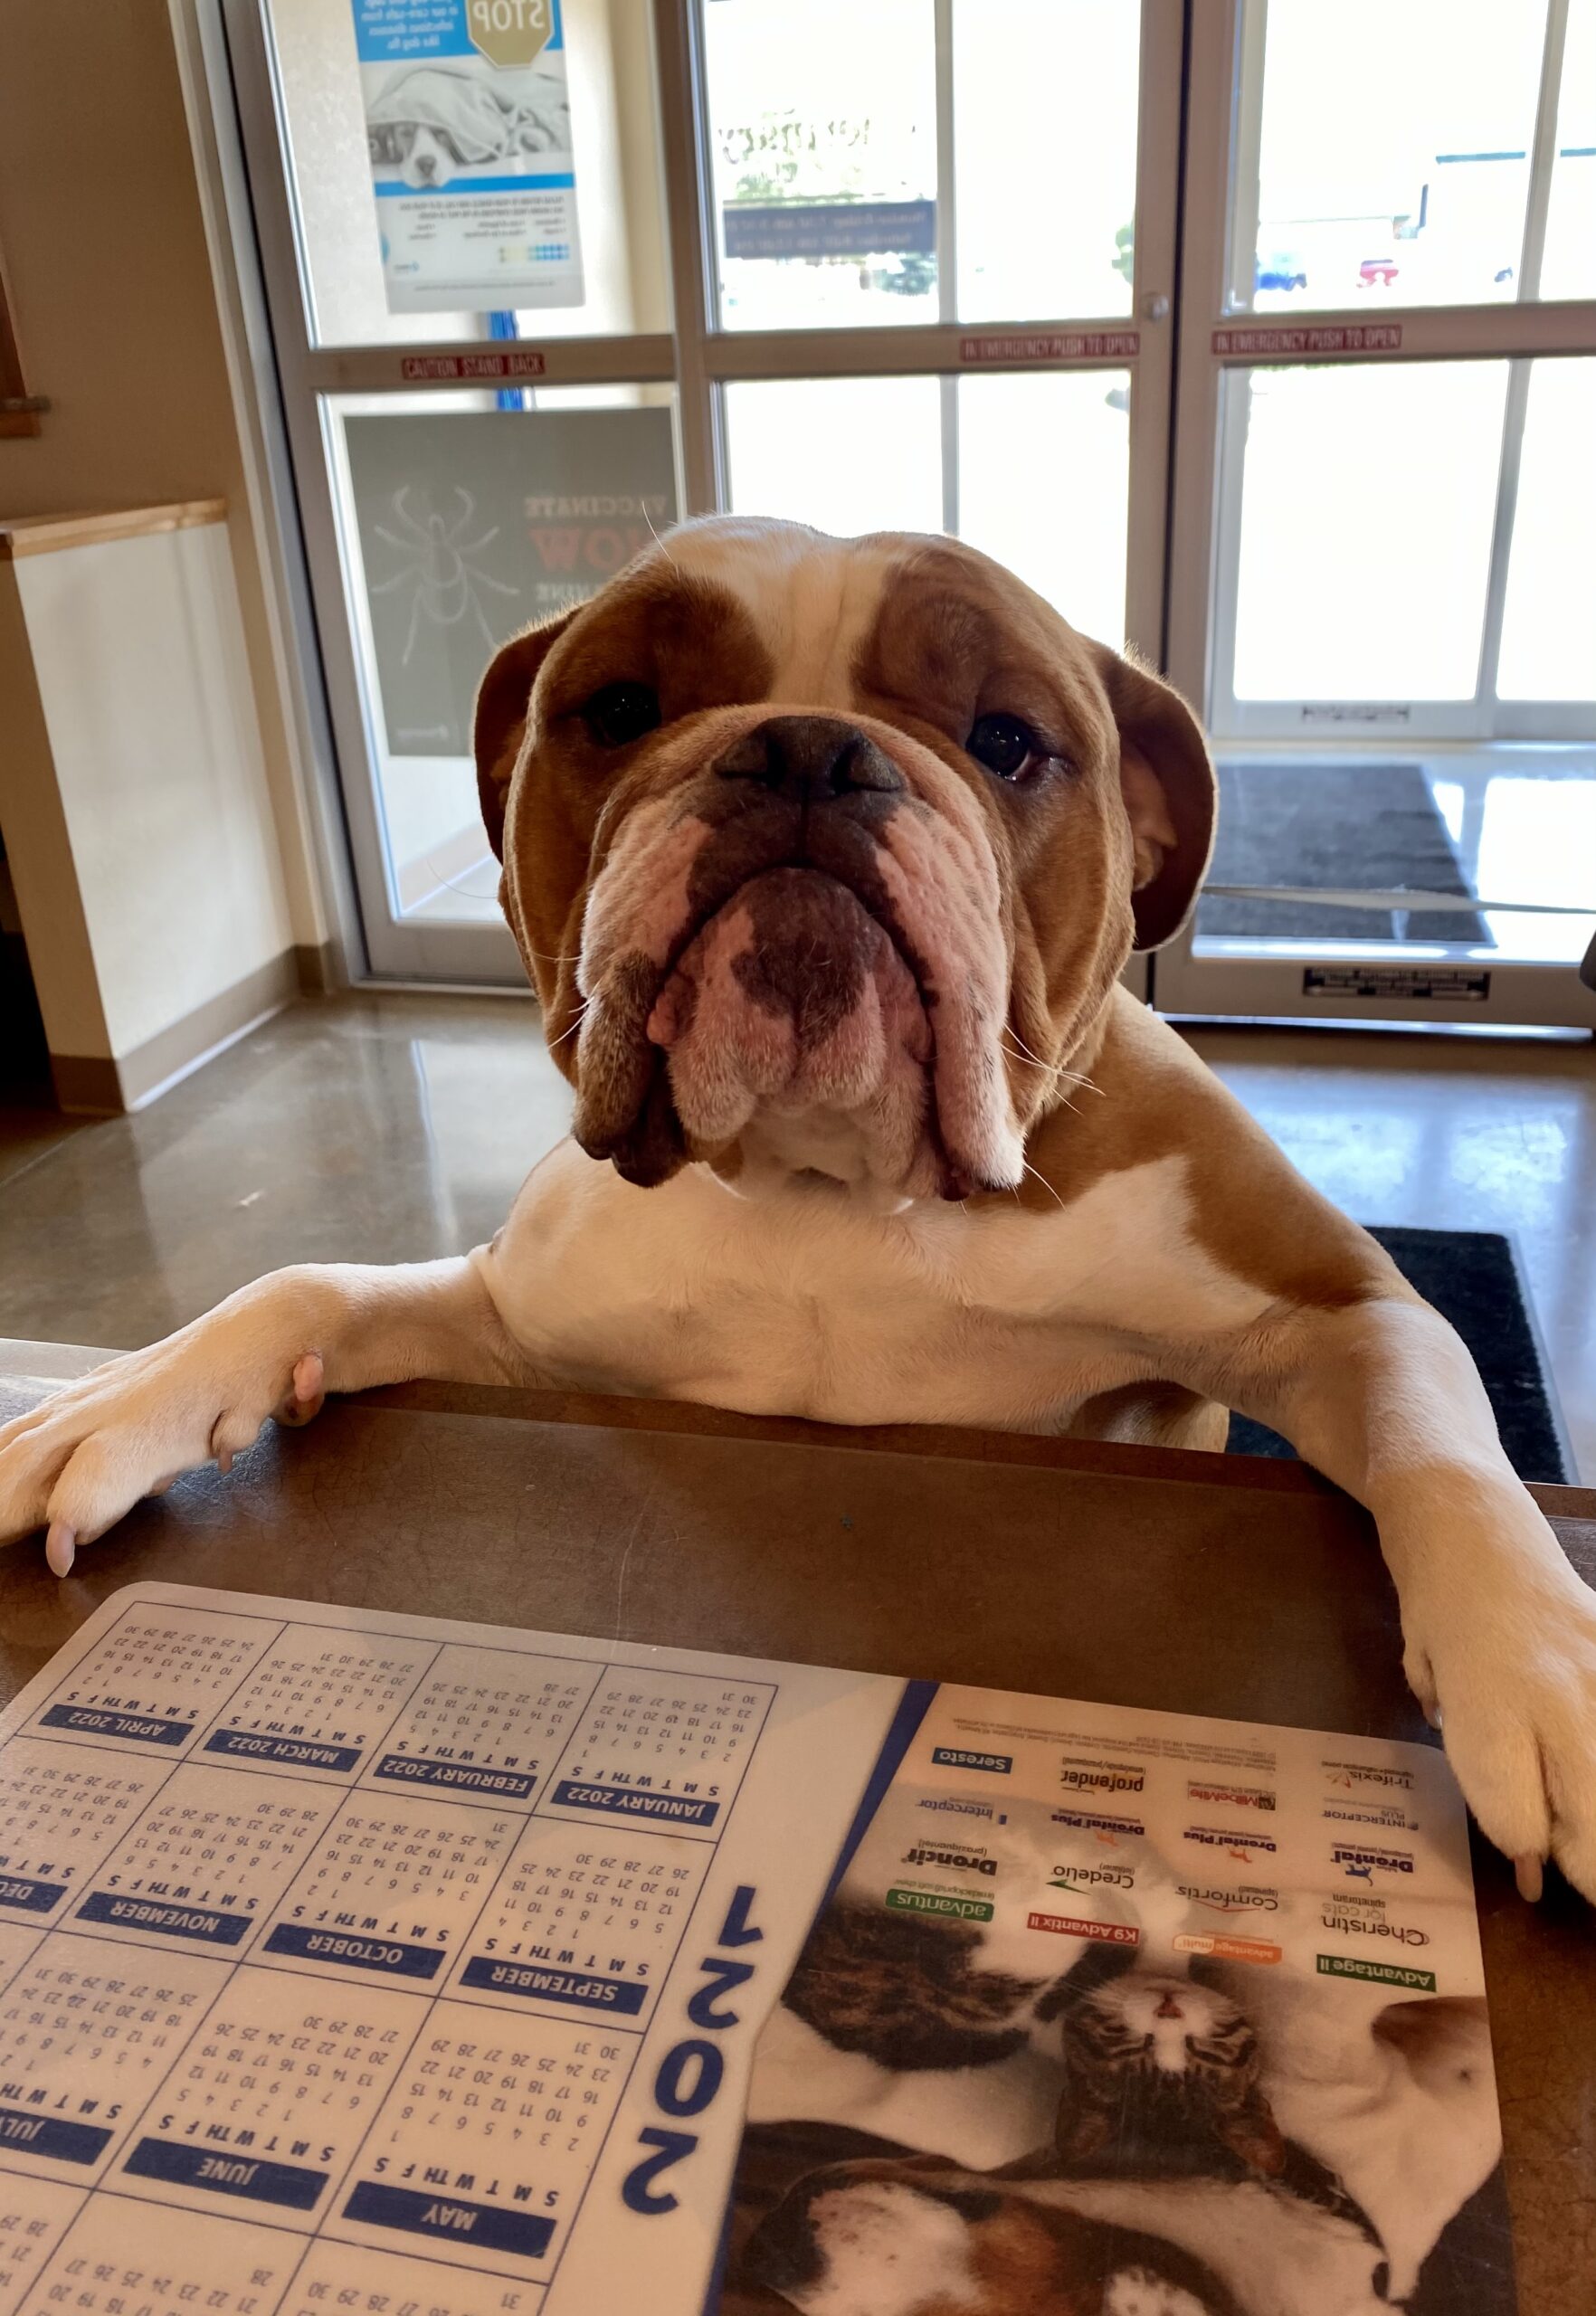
546,275
1386,483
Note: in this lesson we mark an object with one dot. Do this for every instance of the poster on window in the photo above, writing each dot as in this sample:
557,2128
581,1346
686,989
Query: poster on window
474,524
468,120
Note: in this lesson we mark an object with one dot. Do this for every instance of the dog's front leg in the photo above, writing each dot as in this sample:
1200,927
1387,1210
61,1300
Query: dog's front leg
78,1461
1500,1632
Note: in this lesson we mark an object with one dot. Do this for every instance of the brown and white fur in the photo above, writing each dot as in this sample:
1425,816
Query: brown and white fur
921,2237
866,1129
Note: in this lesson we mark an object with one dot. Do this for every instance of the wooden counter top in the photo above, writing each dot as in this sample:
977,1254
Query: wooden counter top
1201,1584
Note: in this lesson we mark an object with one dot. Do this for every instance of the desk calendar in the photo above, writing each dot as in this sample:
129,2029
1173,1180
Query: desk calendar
362,1965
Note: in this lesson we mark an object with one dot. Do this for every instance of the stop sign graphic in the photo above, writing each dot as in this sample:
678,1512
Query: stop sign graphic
509,32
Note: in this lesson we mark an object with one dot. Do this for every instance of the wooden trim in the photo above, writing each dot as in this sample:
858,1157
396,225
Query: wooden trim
1096,1458
27,535
13,387
1101,1459
106,1087
320,967
87,1085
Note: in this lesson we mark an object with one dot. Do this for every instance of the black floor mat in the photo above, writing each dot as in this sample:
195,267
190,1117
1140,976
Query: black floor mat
1349,827
1472,1279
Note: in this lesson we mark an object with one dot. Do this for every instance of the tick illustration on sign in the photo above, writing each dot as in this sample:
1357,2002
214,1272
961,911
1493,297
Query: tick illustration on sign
437,569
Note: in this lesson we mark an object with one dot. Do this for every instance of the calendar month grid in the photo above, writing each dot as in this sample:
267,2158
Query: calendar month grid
341,1943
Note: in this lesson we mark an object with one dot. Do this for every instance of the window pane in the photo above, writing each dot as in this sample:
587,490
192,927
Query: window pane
1568,267
822,123
822,130
847,454
1394,152
1045,95
1549,620
606,79
1368,498
1044,468
461,525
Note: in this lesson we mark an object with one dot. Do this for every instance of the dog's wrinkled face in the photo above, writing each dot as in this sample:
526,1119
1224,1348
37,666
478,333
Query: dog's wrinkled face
824,854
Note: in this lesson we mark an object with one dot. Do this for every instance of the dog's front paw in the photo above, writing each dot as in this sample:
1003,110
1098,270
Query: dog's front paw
82,1458
1506,1663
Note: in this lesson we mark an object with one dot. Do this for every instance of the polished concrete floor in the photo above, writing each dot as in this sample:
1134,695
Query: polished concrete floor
380,1127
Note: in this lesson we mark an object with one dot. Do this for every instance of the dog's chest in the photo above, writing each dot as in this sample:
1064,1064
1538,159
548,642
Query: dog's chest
803,1304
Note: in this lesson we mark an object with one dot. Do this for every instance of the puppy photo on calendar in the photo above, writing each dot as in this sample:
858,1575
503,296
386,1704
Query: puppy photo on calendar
825,856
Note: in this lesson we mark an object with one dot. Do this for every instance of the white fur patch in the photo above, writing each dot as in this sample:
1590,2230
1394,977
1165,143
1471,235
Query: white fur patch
1279,2256
888,2251
1137,2292
812,599
808,1303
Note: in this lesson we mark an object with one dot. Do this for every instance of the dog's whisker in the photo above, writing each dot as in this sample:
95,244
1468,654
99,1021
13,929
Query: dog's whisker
1021,1046
1042,1179
572,1027
656,536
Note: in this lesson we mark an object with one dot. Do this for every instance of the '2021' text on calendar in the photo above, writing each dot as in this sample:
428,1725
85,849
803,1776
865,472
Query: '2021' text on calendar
364,1965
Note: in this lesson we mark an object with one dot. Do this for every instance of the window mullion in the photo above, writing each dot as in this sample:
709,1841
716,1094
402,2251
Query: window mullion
682,129
1543,152
1490,638
947,245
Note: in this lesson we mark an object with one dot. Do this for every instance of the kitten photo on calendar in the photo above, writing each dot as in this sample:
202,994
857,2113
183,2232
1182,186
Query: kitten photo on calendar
1155,2129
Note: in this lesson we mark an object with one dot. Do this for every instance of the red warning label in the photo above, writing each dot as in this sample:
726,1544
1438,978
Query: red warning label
1353,338
526,362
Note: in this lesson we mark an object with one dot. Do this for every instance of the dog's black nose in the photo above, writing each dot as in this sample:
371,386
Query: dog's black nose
810,759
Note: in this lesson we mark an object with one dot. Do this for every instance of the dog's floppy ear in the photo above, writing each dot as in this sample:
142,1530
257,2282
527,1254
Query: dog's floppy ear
500,724
1167,782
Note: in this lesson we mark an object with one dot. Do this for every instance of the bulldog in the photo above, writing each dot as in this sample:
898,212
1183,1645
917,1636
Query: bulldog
825,856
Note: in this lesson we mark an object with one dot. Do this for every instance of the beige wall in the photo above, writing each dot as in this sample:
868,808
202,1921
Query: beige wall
100,223
137,656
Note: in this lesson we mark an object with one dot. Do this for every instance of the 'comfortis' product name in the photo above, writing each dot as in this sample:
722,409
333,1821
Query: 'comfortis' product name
1100,1777
1243,1899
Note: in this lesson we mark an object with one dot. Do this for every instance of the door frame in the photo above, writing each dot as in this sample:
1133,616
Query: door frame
699,359
1218,338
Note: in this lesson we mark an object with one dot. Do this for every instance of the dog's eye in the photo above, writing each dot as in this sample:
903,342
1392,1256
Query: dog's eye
1005,745
622,713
